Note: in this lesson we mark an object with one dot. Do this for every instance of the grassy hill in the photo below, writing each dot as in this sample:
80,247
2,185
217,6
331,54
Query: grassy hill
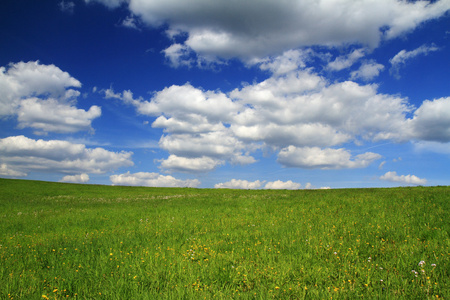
64,241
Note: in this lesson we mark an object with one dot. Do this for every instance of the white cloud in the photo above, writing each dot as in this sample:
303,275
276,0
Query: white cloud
66,6
250,185
6,171
214,144
282,185
206,129
257,28
40,96
130,22
176,163
289,61
308,186
314,157
346,61
301,109
367,71
179,101
431,121
197,139
239,184
23,155
80,178
293,110
178,55
401,58
51,115
152,180
404,179
23,79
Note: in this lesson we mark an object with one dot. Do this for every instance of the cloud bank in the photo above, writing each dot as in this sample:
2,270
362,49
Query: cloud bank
255,28
297,113
20,155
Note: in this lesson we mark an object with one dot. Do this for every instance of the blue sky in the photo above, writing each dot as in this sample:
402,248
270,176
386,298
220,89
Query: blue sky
238,94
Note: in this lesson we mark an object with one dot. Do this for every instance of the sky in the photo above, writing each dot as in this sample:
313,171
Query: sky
253,94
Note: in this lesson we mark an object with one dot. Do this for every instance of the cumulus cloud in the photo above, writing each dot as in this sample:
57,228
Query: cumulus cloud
178,55
302,109
194,122
21,154
314,157
257,28
152,180
80,178
367,71
346,61
51,115
239,184
251,185
282,185
41,98
431,121
289,61
130,22
176,163
6,171
401,58
404,179
294,111
217,144
308,186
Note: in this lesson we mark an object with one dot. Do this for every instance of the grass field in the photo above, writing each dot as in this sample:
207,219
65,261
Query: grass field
60,241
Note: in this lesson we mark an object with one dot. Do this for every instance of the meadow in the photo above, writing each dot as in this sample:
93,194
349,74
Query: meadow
65,241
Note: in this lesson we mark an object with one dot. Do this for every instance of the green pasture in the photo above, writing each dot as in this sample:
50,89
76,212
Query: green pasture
66,241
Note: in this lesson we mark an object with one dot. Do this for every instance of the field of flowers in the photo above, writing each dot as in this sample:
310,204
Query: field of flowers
64,241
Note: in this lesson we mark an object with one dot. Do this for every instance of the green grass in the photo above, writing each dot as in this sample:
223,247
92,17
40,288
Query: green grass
60,241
